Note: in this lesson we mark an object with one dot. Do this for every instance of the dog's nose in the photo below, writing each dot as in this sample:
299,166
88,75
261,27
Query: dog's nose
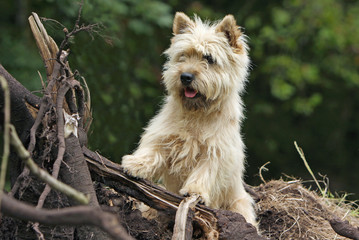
187,78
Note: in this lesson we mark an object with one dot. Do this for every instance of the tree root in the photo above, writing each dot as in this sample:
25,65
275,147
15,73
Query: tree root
77,216
344,229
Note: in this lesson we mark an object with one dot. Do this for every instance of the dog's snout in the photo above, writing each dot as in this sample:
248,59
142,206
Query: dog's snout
187,78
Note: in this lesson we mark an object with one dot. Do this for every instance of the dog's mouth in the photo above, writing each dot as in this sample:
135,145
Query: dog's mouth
190,92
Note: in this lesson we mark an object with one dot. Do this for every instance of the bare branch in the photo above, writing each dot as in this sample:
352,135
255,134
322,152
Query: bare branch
183,226
46,44
344,229
79,13
81,215
6,148
91,28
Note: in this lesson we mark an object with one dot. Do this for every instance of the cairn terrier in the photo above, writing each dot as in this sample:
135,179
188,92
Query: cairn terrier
193,145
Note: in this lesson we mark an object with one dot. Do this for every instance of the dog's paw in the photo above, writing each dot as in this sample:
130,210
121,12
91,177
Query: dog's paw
194,189
133,166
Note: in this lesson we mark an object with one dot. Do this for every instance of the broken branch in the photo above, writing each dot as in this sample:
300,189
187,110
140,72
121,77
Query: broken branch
6,148
81,215
183,226
344,229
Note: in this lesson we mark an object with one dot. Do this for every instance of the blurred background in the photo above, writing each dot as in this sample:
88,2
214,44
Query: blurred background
303,84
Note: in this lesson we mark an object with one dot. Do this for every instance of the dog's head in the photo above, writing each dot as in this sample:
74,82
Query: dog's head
206,63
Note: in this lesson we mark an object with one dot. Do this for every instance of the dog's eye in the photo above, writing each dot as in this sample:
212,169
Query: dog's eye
209,58
182,58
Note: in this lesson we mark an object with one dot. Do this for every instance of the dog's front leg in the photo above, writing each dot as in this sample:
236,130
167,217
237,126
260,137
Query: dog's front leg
201,181
144,163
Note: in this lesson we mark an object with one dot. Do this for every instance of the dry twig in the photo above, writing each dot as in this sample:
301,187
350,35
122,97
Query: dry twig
183,225
6,149
81,215
302,156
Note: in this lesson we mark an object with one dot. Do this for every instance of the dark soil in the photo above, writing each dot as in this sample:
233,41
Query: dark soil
140,225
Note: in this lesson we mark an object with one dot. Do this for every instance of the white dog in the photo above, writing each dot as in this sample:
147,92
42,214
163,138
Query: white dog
194,144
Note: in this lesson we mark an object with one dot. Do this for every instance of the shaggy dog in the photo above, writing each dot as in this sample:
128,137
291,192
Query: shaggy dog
193,145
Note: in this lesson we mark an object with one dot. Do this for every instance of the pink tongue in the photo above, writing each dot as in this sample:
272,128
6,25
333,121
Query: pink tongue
189,92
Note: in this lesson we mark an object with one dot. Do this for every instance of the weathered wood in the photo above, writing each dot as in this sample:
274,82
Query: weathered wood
47,46
344,228
183,226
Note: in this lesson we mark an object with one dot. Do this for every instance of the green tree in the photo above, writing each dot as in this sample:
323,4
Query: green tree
303,84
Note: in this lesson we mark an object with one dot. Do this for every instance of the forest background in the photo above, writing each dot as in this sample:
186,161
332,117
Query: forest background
303,84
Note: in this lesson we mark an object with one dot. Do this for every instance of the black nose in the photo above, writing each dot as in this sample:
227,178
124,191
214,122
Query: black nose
187,78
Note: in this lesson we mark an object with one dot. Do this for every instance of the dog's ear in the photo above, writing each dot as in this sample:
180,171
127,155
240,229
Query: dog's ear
181,23
232,32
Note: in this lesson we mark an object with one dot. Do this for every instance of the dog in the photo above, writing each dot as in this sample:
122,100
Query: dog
193,145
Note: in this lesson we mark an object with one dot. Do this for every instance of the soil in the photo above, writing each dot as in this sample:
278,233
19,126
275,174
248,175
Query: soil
129,210
286,210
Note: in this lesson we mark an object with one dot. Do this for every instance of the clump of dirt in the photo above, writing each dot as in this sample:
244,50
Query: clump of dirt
288,210
142,222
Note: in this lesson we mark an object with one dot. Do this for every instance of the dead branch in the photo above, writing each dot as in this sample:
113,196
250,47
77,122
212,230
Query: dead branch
76,29
183,225
45,44
344,228
6,148
81,215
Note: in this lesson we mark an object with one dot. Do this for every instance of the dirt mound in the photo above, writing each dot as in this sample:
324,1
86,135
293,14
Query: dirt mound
287,210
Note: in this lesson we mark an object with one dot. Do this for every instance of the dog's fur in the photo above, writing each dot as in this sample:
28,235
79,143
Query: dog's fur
194,144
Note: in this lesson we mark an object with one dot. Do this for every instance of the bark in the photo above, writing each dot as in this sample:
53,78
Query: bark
21,117
76,174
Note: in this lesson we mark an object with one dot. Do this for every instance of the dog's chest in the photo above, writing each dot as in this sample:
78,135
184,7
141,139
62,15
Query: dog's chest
182,153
